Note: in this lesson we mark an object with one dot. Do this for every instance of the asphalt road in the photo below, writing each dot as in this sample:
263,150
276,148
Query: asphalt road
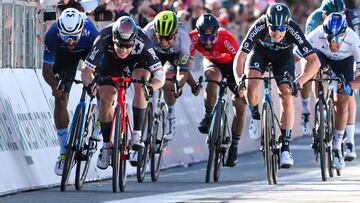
244,183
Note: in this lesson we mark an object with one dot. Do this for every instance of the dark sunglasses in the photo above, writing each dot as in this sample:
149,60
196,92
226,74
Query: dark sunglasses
125,45
66,38
278,28
166,38
205,38
336,39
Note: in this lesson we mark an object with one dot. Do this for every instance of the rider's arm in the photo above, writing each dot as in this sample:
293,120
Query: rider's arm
86,75
155,67
49,75
238,66
312,65
51,43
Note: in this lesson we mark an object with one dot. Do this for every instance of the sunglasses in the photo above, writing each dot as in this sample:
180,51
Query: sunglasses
275,28
166,38
67,38
205,38
337,39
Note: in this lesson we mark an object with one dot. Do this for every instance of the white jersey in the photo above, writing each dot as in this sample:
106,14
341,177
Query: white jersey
350,46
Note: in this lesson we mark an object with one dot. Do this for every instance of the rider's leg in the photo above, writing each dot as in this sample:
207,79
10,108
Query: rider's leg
252,97
139,108
61,118
350,152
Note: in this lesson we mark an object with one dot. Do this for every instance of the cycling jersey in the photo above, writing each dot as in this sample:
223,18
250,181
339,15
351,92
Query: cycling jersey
258,37
53,43
223,51
315,19
179,52
349,47
142,52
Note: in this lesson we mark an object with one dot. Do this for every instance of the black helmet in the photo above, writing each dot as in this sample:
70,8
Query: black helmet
207,24
278,14
124,30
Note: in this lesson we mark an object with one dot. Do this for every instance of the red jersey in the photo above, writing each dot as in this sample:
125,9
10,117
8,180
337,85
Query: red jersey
223,51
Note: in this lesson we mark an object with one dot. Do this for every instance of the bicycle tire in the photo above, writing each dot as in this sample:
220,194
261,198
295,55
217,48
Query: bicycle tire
330,128
219,151
86,150
157,154
144,154
123,157
71,148
213,135
115,155
320,130
266,136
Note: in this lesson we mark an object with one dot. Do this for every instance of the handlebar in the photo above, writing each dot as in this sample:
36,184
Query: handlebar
61,79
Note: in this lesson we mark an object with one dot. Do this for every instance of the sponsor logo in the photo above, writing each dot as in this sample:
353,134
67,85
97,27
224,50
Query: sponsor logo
229,47
255,31
153,54
86,33
296,35
279,8
93,53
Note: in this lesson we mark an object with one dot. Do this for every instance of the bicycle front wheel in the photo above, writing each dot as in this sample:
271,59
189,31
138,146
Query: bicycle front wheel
266,127
320,130
212,139
71,147
220,149
143,154
115,155
124,157
87,149
157,145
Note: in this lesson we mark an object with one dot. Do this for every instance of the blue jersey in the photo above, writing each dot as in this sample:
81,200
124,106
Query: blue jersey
53,41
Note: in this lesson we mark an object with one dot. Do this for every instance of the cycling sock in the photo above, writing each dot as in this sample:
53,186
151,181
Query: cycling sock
235,139
255,114
106,130
305,107
171,112
286,135
338,139
106,145
62,137
350,130
208,111
139,115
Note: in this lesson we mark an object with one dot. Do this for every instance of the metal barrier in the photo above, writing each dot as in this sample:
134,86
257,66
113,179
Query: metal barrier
21,35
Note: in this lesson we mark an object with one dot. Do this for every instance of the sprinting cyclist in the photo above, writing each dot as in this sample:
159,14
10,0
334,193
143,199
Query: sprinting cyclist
66,42
122,45
338,46
270,40
218,46
172,45
314,20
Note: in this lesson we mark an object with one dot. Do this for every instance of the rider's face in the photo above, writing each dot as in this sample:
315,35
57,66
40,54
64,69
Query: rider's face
122,52
277,35
334,46
166,42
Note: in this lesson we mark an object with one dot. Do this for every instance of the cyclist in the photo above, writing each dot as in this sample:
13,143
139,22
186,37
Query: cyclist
270,40
218,46
66,42
122,45
314,20
338,46
172,45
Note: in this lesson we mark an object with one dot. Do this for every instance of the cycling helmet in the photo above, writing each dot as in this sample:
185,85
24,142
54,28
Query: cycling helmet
335,24
207,24
124,30
331,6
166,23
70,22
278,14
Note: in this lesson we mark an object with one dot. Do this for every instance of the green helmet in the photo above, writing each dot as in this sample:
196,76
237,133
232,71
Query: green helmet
331,6
166,23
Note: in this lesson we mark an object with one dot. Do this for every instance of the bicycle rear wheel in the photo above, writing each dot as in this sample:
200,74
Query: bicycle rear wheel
156,147
329,135
115,155
87,149
71,147
124,157
220,150
212,139
144,154
266,127
320,130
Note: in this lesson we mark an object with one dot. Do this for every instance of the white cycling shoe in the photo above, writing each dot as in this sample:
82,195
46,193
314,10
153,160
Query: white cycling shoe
286,159
103,160
255,129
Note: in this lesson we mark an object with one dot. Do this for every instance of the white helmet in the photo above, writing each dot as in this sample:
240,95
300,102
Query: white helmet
70,22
